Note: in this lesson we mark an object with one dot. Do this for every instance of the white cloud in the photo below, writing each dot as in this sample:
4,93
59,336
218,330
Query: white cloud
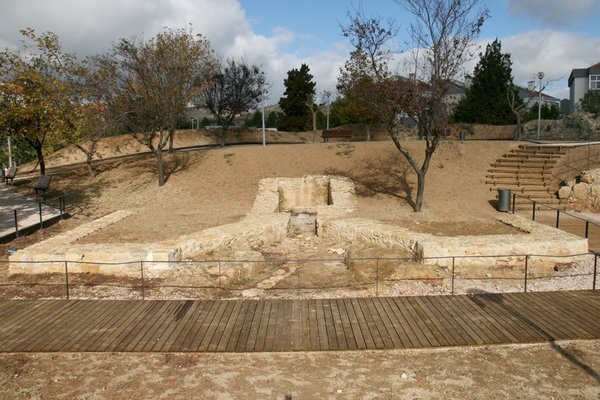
89,27
553,12
554,53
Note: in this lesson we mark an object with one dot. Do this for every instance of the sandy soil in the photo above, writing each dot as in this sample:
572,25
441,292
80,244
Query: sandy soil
560,370
208,188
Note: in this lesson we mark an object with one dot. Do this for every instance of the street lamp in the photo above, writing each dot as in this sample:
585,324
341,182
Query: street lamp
540,76
261,81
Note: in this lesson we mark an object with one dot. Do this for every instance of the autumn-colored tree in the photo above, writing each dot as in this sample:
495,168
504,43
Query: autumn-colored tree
151,82
38,92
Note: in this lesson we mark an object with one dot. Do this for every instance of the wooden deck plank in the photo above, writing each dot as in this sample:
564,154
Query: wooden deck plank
203,333
115,325
422,322
464,320
548,318
346,325
29,329
183,315
188,332
379,324
329,325
371,325
313,326
452,325
236,330
354,324
292,325
221,322
362,324
338,324
322,326
410,338
69,329
262,324
98,327
271,326
246,326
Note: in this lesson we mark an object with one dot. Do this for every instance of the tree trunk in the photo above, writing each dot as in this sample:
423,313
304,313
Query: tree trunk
420,190
171,139
519,132
40,156
161,166
368,132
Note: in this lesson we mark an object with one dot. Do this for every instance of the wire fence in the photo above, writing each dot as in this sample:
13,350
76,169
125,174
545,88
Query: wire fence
298,278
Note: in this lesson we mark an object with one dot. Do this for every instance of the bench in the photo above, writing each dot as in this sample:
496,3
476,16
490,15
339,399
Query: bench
10,174
42,184
336,133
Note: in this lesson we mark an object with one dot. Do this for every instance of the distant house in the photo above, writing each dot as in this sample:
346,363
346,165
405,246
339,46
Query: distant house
581,81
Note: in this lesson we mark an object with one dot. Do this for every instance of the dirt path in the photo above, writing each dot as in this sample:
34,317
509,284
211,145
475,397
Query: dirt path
562,370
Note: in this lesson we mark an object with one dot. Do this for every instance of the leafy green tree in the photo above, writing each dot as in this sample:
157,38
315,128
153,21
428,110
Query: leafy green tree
235,88
485,101
546,112
254,121
271,121
299,92
38,92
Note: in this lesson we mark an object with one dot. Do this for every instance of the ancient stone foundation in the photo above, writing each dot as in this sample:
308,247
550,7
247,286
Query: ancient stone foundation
306,207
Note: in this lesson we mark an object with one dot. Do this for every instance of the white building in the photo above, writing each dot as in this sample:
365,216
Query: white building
581,81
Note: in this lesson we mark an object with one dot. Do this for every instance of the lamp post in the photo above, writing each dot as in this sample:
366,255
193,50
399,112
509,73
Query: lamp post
540,76
264,134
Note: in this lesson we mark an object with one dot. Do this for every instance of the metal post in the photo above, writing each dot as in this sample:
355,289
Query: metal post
533,210
526,267
595,271
557,218
587,229
377,278
452,289
16,224
142,277
40,208
67,279
264,134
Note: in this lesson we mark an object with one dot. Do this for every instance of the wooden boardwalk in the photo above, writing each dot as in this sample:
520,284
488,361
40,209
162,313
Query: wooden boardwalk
296,325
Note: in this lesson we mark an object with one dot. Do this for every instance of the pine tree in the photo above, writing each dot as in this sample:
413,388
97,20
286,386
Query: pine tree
299,89
485,101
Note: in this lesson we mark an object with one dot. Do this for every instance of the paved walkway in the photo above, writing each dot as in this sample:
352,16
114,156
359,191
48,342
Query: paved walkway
28,213
296,325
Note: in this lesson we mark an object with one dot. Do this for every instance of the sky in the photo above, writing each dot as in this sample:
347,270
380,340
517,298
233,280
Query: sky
553,36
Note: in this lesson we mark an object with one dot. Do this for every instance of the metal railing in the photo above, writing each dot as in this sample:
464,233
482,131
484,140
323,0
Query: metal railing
387,276
18,212
537,206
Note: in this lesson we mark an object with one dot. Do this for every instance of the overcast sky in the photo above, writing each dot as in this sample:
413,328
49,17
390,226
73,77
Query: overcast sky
553,36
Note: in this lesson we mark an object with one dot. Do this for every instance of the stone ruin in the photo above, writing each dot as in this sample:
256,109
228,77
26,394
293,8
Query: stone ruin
310,206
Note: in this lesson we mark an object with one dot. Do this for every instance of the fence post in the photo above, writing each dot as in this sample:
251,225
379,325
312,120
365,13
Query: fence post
587,229
67,278
452,286
557,218
595,271
526,267
40,208
16,224
533,218
377,277
143,281
220,287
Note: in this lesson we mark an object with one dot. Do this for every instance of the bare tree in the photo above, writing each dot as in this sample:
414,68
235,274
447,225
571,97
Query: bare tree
516,105
443,32
235,88
152,82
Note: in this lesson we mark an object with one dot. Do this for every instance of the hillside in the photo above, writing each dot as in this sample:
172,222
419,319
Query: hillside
216,186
